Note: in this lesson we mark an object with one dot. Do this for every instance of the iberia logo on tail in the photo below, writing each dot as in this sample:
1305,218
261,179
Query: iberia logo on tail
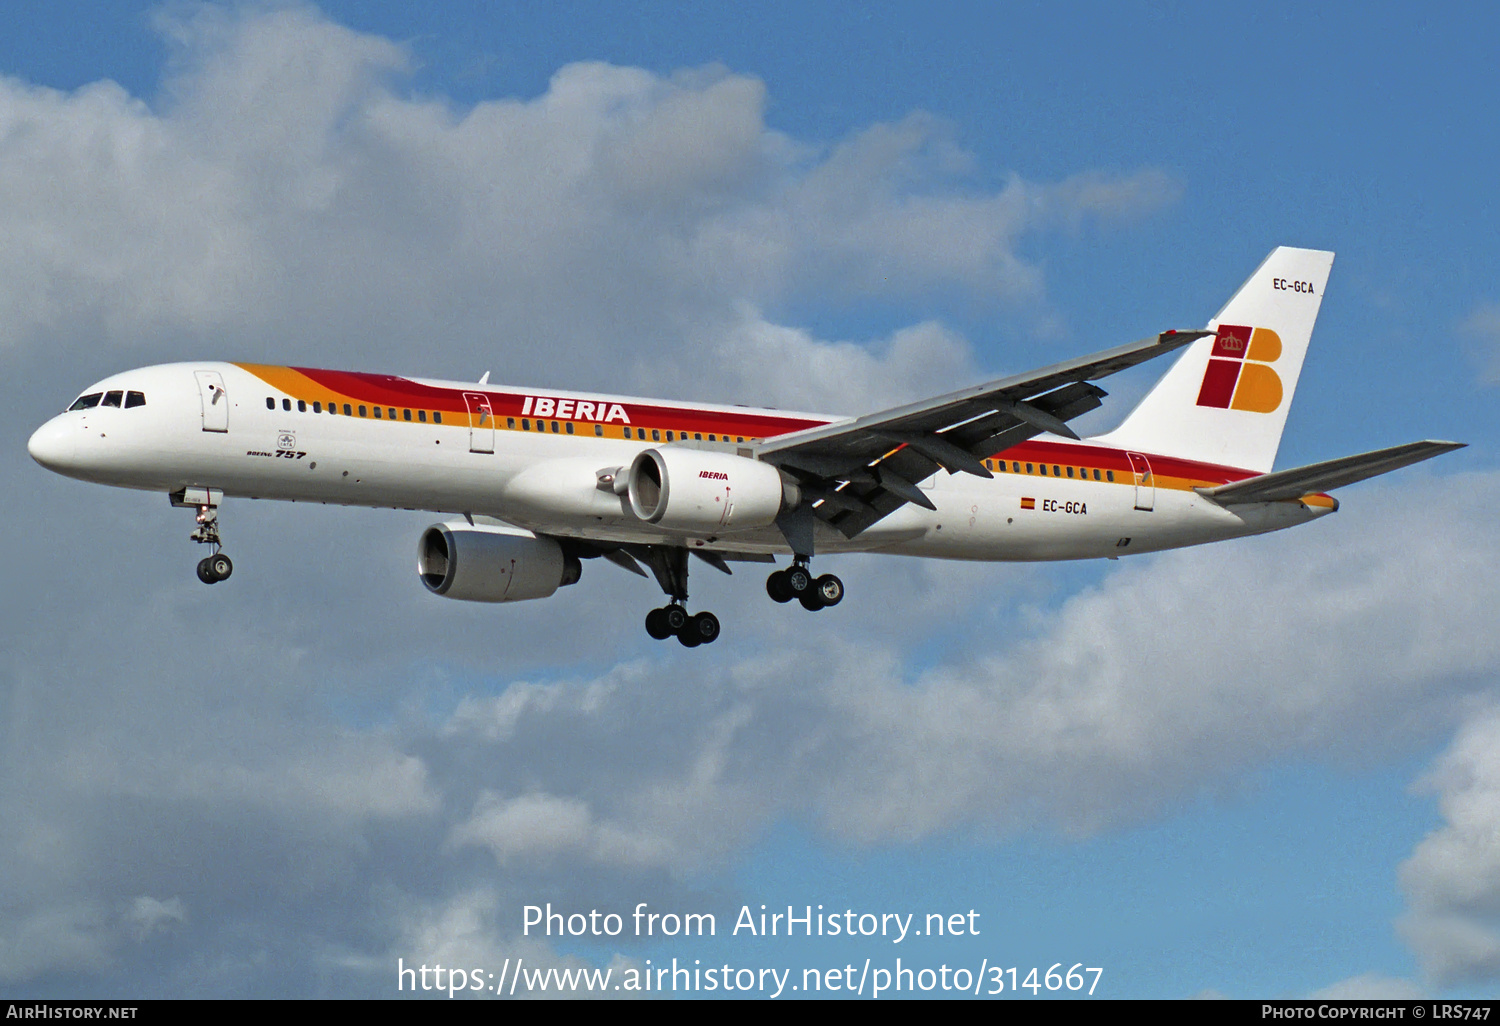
1239,375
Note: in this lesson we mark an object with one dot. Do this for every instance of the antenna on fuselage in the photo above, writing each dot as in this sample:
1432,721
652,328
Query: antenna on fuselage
486,379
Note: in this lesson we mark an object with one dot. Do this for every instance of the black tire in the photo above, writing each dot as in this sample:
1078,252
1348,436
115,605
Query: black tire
689,638
810,600
706,626
675,617
778,588
830,590
656,625
799,579
221,566
206,571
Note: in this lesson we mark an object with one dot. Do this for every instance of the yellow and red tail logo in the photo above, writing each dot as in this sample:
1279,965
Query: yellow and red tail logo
1239,376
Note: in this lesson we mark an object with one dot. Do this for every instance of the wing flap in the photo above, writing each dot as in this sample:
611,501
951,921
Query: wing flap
1319,477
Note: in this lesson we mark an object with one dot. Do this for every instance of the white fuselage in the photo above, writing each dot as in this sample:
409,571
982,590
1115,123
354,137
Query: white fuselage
448,456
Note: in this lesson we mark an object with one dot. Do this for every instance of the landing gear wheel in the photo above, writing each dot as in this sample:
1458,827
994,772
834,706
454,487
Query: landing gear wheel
675,617
705,626
206,571
811,600
778,588
829,589
689,638
656,625
799,579
220,566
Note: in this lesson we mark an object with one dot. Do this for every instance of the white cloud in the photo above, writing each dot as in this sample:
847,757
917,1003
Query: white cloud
147,915
1452,880
285,199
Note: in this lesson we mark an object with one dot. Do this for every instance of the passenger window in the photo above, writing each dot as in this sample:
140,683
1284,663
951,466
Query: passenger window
1028,469
377,413
510,423
711,438
554,427
525,424
1110,474
270,403
317,406
334,408
738,439
348,412
286,404
391,411
1015,468
406,415
134,399
598,430
697,436
1055,471
655,435
362,411
422,416
1070,471
1043,468
570,427
301,405
669,436
437,418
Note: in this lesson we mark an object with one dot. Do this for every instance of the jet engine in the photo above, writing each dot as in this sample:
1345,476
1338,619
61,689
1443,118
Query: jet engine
706,492
492,563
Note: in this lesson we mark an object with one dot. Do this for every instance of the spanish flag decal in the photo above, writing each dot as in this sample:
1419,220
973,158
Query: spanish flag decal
1028,503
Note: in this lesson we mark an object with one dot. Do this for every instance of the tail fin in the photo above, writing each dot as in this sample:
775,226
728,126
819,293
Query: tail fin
1226,398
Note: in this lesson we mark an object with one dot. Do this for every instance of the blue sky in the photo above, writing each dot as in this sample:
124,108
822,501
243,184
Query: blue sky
1302,803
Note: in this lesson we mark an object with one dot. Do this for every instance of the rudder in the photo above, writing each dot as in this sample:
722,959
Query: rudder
1226,398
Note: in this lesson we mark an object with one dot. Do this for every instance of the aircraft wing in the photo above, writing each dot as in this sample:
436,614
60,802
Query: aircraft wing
1319,477
859,471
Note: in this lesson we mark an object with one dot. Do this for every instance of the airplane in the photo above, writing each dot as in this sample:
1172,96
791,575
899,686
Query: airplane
538,480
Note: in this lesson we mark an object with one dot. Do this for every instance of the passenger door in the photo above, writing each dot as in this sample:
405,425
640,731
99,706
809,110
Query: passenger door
215,400
481,422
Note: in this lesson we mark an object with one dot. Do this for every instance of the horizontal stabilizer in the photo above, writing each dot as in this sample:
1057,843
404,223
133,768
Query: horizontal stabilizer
1319,477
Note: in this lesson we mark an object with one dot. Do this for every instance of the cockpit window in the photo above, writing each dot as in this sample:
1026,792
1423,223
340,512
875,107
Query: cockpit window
86,402
112,398
134,399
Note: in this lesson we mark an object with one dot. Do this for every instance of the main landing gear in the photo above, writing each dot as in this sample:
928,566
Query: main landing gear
673,620
218,567
797,582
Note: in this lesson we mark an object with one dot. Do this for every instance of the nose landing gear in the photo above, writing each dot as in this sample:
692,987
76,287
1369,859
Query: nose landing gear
217,567
797,582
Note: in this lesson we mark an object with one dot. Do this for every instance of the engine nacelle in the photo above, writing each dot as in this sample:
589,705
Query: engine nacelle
492,563
706,492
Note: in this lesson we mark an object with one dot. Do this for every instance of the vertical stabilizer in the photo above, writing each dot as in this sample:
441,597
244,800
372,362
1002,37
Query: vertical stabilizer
1226,398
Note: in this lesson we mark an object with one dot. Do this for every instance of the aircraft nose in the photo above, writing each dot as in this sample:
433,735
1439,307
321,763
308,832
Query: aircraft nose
54,445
